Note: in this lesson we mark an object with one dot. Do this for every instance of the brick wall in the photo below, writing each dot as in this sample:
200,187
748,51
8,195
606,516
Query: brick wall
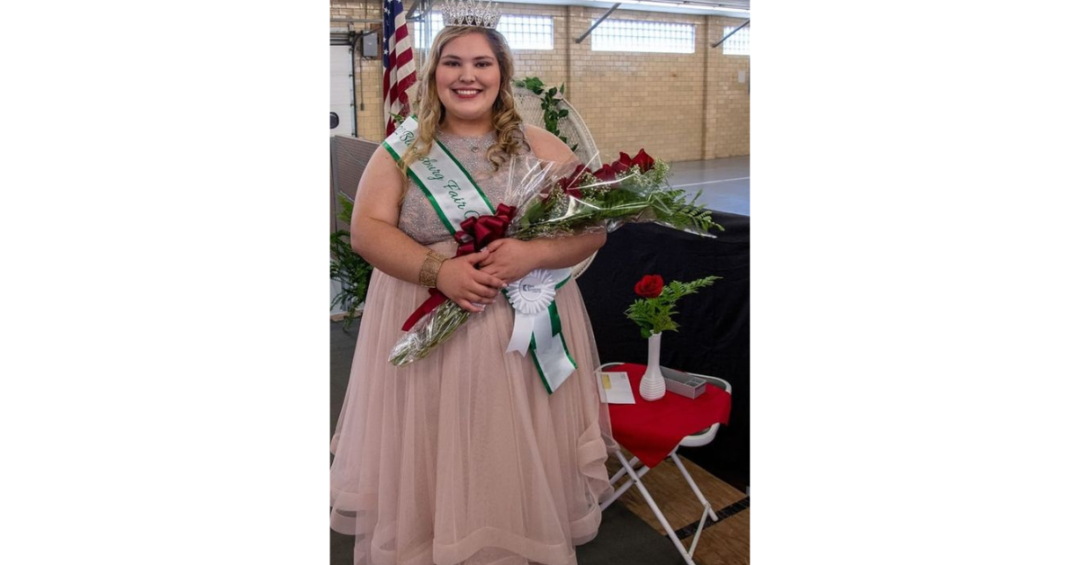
367,72
728,111
679,107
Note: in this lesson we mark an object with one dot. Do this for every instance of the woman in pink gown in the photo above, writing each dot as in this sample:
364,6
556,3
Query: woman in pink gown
464,456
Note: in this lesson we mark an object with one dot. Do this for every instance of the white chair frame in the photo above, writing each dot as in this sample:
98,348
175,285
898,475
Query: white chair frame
635,473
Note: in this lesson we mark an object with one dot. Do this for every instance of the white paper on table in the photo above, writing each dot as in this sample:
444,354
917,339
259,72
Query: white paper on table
615,388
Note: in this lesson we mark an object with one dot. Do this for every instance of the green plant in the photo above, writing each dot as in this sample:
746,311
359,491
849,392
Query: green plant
348,268
654,310
549,103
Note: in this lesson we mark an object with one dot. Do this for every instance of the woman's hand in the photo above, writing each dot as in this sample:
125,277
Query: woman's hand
465,285
509,259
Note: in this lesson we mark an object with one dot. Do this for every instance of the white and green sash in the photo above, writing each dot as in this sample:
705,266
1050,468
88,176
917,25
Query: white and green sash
456,197
448,186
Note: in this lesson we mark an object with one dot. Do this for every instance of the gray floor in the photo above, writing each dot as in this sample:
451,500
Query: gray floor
724,183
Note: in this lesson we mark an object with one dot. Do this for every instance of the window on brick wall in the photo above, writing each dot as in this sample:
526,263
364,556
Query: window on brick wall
651,37
738,44
521,32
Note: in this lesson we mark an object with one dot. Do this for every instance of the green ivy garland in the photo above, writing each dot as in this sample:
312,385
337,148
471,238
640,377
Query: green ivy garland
549,104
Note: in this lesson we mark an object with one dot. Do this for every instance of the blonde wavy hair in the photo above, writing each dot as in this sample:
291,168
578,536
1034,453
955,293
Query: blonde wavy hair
504,118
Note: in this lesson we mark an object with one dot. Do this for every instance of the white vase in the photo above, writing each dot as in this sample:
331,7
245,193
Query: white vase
652,382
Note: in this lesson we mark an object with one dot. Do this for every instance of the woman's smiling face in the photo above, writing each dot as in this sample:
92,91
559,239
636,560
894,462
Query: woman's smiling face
467,78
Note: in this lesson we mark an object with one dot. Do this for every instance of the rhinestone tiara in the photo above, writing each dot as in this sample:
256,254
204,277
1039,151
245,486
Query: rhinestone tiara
470,13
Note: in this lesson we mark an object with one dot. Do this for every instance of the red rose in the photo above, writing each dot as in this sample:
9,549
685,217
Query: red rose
605,173
572,180
643,160
623,164
650,286
570,183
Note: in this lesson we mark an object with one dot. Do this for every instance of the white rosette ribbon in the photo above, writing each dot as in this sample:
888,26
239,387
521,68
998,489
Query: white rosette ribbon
537,328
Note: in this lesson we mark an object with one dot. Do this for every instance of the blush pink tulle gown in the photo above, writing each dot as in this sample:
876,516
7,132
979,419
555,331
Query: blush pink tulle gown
463,457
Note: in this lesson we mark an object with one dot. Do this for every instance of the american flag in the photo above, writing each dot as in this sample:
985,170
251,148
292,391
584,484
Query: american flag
399,70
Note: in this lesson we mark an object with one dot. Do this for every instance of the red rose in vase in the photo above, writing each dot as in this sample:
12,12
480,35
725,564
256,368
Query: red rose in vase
650,286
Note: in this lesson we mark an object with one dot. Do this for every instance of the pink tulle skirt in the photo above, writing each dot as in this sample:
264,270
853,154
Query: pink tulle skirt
463,457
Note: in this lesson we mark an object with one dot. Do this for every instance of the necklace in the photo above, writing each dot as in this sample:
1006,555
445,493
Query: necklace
472,142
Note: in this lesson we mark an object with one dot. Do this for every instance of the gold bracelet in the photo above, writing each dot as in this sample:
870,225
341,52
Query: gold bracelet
429,271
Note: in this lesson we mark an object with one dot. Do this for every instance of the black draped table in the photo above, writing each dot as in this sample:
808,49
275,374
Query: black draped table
714,333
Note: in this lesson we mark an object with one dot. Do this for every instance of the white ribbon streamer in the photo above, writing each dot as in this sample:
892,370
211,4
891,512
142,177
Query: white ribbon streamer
532,297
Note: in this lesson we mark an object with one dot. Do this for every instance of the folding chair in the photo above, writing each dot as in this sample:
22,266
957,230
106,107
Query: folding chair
635,473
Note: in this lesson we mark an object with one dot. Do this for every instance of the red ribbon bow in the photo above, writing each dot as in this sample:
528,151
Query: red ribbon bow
475,234
478,231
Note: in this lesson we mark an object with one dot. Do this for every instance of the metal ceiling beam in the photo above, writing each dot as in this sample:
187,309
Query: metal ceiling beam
598,22
723,39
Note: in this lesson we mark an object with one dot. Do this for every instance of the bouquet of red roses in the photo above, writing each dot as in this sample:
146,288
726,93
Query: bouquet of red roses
552,201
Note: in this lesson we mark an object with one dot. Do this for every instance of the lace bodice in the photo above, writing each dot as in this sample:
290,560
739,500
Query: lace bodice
418,218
